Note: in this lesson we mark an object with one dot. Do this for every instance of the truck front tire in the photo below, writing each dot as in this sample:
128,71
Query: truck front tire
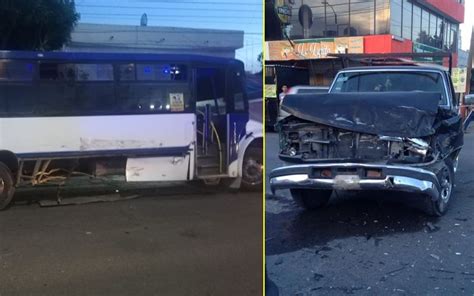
446,180
311,199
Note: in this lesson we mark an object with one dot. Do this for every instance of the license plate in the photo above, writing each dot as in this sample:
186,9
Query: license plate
347,182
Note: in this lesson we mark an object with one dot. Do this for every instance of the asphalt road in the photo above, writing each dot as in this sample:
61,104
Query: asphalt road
368,245
191,242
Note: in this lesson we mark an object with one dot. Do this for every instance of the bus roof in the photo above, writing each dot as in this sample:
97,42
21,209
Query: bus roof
102,56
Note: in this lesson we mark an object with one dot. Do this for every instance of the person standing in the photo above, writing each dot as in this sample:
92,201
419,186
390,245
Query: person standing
284,91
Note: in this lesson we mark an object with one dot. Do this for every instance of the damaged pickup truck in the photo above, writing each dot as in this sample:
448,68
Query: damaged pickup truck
382,128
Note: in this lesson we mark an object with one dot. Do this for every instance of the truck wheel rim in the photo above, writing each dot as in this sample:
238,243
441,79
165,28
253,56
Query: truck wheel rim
446,186
2,186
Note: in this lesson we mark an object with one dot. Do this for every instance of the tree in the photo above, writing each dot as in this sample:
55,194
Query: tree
36,24
260,60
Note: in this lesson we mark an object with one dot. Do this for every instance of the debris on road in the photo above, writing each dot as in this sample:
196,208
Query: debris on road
279,261
431,228
80,200
317,276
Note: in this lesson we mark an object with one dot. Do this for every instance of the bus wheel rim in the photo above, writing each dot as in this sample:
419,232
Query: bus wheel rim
252,171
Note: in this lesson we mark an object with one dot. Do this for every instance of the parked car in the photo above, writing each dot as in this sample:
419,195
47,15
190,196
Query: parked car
379,128
301,89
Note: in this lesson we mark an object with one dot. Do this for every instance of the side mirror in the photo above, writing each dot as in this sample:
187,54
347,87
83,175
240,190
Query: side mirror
469,99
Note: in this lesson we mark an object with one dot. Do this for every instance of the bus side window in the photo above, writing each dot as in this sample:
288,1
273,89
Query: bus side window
55,71
16,71
151,92
161,72
55,94
16,88
236,88
126,72
95,92
94,72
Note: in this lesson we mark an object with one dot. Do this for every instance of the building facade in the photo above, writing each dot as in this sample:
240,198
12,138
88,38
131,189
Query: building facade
306,31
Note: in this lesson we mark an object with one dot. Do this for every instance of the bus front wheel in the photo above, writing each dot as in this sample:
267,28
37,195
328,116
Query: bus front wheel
252,169
6,186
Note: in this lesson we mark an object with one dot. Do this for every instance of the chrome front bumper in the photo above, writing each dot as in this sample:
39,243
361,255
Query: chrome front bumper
396,178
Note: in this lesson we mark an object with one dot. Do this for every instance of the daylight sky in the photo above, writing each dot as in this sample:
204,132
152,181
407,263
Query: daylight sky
245,15
467,26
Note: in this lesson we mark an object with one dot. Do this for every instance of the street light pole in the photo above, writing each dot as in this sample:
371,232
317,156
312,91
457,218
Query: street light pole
466,110
332,8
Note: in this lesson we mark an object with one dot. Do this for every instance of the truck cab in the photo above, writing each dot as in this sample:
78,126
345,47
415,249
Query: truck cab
393,128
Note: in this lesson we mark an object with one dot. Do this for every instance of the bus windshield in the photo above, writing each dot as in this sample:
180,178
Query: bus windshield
390,81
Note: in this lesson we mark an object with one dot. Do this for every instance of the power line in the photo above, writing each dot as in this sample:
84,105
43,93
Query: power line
228,32
208,3
166,15
181,21
167,8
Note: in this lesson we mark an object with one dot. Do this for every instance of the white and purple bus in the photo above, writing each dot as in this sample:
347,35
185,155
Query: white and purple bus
147,117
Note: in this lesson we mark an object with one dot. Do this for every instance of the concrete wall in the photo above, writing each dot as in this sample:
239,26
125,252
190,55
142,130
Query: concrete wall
125,38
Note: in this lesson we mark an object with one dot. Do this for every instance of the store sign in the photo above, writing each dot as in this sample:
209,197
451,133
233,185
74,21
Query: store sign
313,48
270,91
459,76
283,10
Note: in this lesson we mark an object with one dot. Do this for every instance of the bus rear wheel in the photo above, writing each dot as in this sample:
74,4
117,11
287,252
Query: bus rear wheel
7,189
252,169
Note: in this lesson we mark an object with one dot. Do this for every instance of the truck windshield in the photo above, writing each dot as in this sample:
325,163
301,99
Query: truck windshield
390,81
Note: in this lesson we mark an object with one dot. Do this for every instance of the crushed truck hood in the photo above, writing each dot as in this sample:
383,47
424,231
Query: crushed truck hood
400,114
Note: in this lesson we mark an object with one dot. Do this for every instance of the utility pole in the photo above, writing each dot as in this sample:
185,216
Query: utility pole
469,63
467,110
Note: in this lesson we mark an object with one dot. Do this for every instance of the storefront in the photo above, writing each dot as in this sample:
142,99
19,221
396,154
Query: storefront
305,33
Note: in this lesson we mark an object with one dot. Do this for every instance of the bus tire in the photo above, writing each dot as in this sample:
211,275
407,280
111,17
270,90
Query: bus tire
252,169
7,188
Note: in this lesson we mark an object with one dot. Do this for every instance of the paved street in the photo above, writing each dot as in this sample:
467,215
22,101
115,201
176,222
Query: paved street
360,245
182,241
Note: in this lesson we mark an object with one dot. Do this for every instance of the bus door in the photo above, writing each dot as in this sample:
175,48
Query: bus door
211,114
237,115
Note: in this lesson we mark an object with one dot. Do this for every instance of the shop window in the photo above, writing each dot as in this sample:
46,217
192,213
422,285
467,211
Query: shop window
425,25
362,18
382,15
396,17
416,23
433,29
441,29
407,12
